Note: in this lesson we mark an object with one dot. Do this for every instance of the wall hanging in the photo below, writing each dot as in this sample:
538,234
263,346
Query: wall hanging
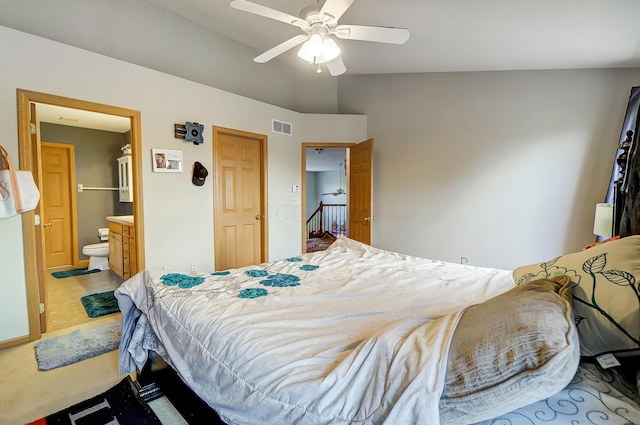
165,161
190,132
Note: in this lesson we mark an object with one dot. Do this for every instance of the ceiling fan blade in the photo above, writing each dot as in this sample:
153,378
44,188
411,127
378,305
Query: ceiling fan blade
280,48
336,67
390,35
335,9
267,12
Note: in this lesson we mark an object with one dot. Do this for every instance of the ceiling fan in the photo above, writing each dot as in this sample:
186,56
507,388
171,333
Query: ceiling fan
319,23
340,190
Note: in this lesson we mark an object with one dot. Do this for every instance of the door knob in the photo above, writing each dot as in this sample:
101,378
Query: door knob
49,224
372,218
258,217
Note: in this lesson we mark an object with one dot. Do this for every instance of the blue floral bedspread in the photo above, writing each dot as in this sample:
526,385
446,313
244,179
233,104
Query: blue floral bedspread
325,338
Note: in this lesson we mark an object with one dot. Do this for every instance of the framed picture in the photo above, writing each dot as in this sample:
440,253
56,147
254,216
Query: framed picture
165,161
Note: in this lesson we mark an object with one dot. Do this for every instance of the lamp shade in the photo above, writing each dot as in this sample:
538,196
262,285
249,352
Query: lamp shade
603,223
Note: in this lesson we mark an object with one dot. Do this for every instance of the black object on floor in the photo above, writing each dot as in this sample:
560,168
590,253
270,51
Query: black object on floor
119,403
192,408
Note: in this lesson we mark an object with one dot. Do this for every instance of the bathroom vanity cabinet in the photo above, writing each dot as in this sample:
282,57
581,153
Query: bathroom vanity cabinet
122,247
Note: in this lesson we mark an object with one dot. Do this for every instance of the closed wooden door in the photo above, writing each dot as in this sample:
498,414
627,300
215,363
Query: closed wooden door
239,198
361,191
57,161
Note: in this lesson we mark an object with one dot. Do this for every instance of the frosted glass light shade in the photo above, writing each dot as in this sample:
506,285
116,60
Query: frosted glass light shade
603,222
304,54
314,45
330,49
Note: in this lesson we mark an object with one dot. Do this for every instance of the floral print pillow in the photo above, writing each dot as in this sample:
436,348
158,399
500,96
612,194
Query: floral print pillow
606,294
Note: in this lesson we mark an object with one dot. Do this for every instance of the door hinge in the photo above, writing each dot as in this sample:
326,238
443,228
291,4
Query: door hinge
33,128
41,307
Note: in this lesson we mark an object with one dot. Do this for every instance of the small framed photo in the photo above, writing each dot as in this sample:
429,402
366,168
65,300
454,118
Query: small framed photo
166,161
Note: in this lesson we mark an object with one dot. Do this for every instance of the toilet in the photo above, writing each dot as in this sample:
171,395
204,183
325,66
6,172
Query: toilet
98,253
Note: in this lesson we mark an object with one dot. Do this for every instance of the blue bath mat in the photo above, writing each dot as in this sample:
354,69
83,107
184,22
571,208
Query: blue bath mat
74,272
100,304
78,345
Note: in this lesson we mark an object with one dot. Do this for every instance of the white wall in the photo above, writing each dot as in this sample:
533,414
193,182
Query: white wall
328,182
178,216
502,167
139,32
312,193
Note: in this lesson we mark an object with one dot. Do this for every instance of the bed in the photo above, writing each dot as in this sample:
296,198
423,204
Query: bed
353,334
359,335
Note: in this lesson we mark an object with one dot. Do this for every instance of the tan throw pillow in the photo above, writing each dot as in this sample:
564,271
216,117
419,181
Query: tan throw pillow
606,294
510,351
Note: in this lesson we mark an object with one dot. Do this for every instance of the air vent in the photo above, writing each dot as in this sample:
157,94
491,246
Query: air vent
281,127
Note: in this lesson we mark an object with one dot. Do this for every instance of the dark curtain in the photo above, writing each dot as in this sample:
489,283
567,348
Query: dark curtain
628,199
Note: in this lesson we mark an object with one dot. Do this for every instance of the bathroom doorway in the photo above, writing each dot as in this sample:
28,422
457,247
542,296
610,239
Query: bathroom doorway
31,159
73,220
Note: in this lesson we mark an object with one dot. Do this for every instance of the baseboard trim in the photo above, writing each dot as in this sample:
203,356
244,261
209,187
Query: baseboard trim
15,341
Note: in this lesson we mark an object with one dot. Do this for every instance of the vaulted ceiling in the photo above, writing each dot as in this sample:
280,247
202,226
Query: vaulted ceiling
452,35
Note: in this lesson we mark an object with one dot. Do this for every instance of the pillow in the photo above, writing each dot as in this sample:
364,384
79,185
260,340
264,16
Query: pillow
510,351
606,294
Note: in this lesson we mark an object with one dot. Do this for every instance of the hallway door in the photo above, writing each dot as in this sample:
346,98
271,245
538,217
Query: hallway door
58,181
361,191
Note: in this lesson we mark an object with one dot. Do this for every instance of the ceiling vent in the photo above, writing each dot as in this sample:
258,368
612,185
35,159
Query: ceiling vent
281,127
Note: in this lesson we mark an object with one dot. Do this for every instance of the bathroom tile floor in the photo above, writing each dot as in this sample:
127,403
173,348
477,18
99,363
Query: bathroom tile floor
62,296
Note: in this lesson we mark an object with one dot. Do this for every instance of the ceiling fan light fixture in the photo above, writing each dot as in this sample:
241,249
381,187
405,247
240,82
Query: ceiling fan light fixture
330,49
304,54
319,22
315,45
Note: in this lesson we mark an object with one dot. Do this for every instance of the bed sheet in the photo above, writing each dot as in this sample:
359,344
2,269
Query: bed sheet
594,397
349,335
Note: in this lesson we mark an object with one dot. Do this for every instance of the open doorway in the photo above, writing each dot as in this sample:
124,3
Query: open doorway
326,197
79,189
31,158
358,218
325,194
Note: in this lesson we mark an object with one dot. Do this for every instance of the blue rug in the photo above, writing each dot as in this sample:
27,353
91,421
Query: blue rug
100,304
74,272
78,345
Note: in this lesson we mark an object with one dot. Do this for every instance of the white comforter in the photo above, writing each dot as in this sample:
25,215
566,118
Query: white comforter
360,338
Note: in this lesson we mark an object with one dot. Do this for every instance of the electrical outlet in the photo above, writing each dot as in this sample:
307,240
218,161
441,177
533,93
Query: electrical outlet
193,267
464,260
295,201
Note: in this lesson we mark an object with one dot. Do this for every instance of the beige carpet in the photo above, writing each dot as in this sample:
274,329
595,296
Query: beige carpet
27,394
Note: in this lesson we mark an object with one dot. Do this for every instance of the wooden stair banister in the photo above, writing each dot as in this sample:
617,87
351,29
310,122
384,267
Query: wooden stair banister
330,218
314,223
